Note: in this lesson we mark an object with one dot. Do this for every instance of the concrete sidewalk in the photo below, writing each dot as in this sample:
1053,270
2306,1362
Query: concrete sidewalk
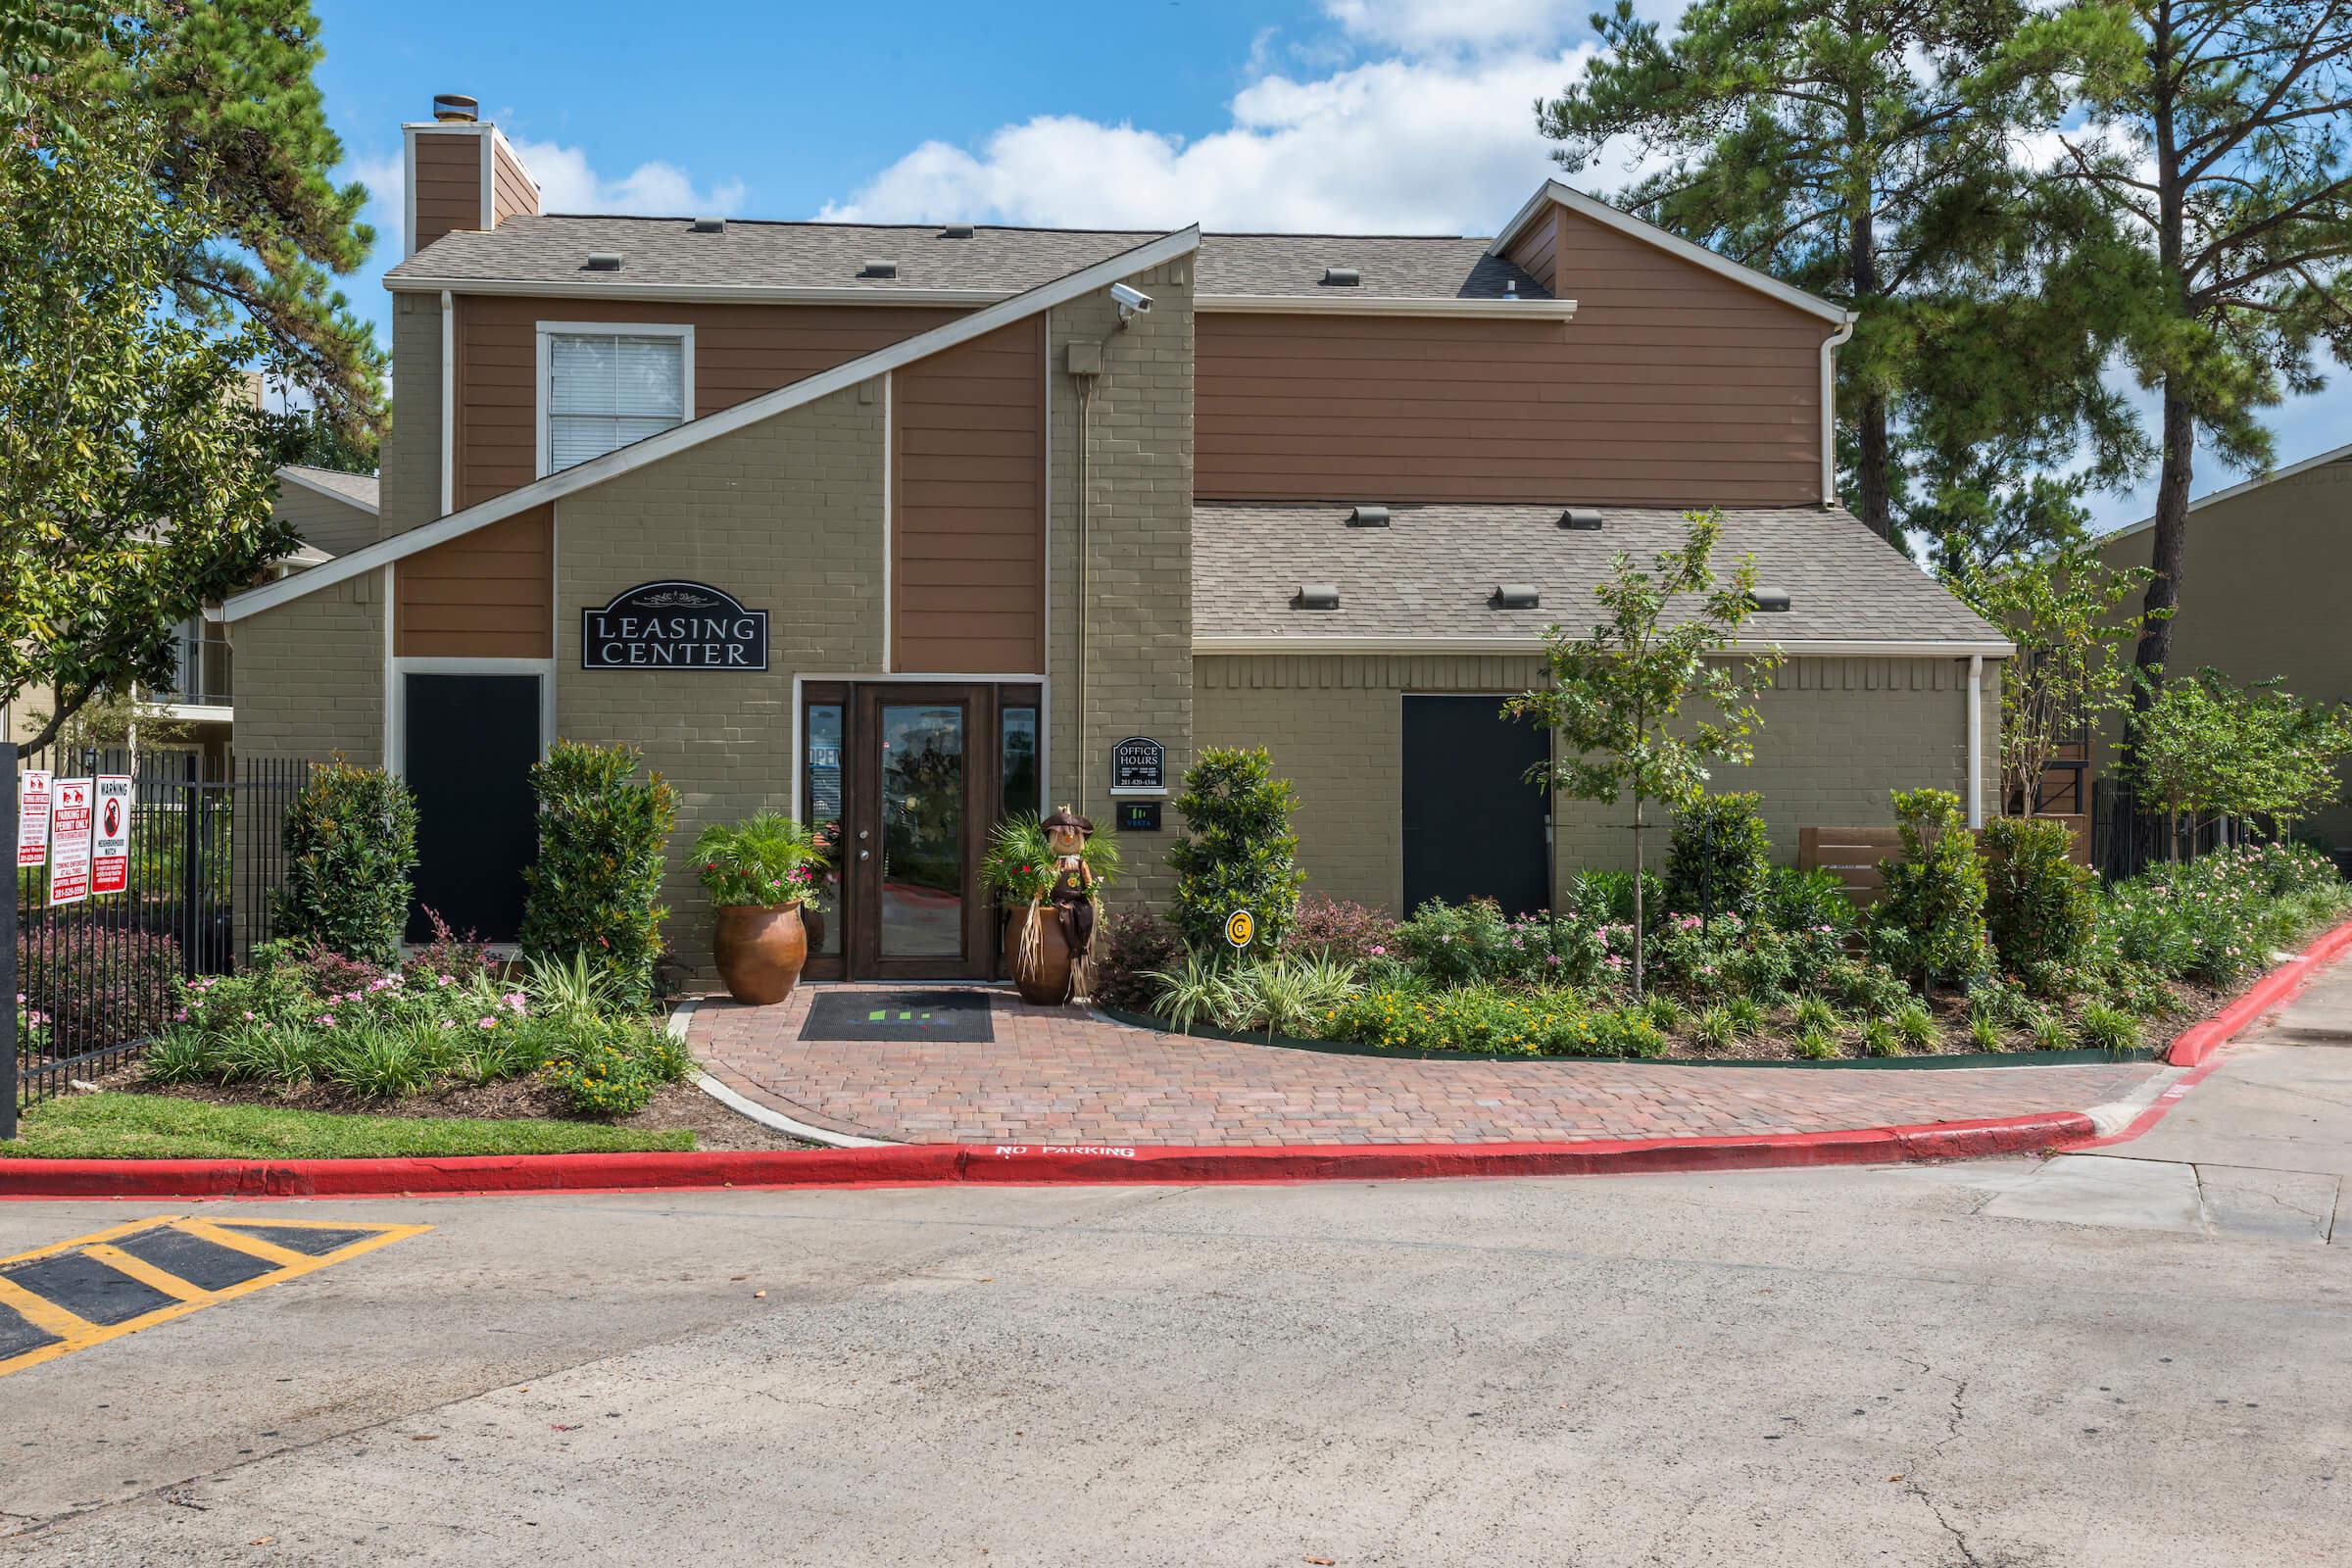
2260,1148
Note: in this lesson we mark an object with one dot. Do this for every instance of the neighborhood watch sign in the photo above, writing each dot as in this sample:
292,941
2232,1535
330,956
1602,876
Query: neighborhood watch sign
673,626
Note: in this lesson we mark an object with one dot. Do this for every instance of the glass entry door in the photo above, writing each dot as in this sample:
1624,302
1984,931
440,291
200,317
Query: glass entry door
906,780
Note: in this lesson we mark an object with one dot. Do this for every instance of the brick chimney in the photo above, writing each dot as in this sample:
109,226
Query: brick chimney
457,172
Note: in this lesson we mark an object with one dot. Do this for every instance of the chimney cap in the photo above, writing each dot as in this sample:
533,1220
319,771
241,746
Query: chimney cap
604,260
454,106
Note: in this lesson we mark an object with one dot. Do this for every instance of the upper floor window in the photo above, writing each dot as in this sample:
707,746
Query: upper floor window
603,388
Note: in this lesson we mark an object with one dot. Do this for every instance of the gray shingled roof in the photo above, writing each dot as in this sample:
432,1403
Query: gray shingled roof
664,251
360,487
1433,570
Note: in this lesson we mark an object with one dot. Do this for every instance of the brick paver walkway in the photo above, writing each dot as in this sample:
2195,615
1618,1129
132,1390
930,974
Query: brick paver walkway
1056,1075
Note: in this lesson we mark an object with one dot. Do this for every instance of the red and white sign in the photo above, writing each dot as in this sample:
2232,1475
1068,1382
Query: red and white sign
70,840
110,836
33,816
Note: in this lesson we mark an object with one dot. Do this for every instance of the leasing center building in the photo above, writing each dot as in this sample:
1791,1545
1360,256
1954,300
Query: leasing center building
906,526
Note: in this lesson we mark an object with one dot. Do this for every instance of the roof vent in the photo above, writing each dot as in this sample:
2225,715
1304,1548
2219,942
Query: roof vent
604,260
1769,601
955,231
454,106
1516,595
1510,288
1316,596
1342,277
1582,518
1368,517
879,269
708,225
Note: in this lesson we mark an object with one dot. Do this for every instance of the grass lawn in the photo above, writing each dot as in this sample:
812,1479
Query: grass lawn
111,1126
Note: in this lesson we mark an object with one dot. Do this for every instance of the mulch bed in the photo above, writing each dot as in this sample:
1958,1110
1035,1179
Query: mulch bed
674,1106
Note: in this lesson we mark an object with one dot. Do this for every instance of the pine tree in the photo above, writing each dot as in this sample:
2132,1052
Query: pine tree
1862,150
229,84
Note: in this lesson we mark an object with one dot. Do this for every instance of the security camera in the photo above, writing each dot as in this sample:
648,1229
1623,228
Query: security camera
1131,301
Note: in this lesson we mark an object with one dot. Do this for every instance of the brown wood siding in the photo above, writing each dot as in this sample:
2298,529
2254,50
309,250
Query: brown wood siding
740,351
488,594
1672,386
967,507
449,184
510,190
1537,250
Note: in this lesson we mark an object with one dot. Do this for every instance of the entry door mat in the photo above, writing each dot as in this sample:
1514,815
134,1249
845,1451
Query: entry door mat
952,1017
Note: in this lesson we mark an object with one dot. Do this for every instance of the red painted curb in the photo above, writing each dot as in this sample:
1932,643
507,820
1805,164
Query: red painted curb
2192,1045
1022,1164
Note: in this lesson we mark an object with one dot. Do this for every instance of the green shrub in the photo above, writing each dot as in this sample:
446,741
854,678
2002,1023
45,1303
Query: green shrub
1930,919
2048,1029
1240,850
1880,1038
351,844
595,891
1747,1014
1131,945
377,1064
1815,1012
179,1057
87,984
767,858
1715,1028
1808,900
1606,898
1627,1032
1342,929
1816,1042
1915,1026
601,1076
2039,905
1984,1031
2110,1029
1720,857
1473,943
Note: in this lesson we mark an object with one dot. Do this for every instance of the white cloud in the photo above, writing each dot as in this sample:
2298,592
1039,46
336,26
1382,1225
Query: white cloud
1442,143
567,184
1430,24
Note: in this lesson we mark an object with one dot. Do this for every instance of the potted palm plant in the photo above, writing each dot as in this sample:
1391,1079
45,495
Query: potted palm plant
760,873
1021,868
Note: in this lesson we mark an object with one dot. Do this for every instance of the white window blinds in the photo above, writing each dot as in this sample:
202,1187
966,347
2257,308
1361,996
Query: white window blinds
607,389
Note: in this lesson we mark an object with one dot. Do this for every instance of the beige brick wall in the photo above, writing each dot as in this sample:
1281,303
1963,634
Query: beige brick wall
1838,734
310,676
1139,559
786,515
410,464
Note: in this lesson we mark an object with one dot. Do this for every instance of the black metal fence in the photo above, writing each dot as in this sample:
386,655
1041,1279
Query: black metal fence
98,976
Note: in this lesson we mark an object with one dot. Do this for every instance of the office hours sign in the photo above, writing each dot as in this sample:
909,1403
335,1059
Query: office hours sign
673,626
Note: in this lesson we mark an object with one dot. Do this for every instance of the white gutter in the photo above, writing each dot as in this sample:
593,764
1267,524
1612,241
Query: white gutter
1975,739
1829,409
1812,648
1538,310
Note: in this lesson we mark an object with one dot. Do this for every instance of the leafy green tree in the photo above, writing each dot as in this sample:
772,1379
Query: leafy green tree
1864,151
1240,850
243,137
2217,142
135,484
1615,698
351,846
2206,749
2062,612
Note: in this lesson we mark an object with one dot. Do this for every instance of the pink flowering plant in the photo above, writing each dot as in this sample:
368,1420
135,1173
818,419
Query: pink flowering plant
767,859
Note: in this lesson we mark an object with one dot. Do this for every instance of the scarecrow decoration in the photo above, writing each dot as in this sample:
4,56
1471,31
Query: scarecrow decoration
1073,895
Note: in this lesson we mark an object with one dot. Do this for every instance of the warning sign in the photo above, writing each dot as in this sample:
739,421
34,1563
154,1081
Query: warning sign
110,837
70,841
33,816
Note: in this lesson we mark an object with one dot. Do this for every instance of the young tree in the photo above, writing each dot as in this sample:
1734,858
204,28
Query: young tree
1616,696
135,485
2217,140
2208,749
243,136
2060,610
1863,151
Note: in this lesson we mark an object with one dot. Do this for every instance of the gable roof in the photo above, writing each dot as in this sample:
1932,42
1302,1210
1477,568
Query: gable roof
358,490
816,261
1554,193
1428,580
694,432
2343,454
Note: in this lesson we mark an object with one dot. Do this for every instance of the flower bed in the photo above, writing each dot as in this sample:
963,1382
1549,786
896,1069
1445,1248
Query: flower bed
1796,981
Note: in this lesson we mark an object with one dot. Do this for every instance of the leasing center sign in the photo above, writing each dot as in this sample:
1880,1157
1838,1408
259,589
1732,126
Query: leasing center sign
673,626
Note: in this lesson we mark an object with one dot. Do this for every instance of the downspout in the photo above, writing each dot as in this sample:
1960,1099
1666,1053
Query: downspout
1086,607
449,405
1975,739
1829,409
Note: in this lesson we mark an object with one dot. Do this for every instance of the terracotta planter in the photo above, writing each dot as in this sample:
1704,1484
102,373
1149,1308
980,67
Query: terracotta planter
760,948
1040,970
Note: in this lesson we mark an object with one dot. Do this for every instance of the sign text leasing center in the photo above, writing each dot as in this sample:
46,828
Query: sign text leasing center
673,626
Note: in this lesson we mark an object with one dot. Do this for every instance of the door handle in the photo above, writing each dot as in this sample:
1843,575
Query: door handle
866,855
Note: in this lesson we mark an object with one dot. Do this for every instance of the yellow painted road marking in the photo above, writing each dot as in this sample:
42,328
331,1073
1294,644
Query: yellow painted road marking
72,1332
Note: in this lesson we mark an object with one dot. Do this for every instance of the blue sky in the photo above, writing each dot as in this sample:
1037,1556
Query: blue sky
1395,116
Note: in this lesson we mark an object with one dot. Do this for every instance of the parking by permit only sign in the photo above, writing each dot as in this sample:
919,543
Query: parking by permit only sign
69,814
33,816
110,836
